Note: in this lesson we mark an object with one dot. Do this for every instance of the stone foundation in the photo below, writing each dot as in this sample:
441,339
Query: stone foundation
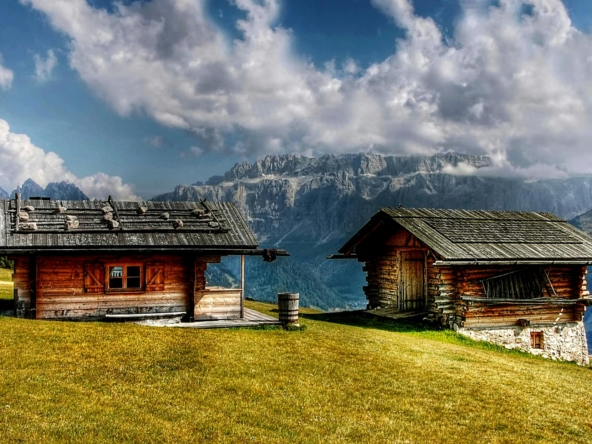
564,342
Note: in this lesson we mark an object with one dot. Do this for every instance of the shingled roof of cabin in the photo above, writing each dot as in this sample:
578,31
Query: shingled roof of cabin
205,226
465,235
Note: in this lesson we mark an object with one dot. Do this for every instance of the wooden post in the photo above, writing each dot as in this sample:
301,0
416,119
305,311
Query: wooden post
33,285
242,303
17,198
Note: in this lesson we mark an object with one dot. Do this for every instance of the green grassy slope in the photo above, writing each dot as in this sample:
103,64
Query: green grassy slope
344,379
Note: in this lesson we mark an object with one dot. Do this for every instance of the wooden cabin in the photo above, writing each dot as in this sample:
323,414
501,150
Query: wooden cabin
513,278
102,260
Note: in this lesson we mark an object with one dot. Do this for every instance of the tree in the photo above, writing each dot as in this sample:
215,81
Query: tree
6,263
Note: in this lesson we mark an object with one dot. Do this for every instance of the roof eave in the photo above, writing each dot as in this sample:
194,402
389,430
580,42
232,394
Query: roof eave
238,251
465,262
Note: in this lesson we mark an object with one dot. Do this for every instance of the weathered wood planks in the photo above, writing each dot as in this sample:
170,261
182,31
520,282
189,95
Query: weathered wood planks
217,303
62,285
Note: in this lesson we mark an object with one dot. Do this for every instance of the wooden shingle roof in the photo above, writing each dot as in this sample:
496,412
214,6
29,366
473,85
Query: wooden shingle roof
140,226
485,236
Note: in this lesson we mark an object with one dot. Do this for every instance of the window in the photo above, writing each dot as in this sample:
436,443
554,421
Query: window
536,339
124,277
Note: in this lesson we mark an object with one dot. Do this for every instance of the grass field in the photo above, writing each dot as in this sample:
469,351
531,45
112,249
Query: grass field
346,378
6,284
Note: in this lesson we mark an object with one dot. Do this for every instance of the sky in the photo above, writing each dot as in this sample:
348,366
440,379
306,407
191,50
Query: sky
134,97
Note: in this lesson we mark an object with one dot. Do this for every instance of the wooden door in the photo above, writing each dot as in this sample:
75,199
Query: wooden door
411,284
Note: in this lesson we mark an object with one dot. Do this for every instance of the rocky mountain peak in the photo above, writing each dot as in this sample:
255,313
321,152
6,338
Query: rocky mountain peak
54,190
296,165
27,189
311,207
64,191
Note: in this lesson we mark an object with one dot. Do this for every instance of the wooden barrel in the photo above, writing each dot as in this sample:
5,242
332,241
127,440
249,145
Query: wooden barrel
288,307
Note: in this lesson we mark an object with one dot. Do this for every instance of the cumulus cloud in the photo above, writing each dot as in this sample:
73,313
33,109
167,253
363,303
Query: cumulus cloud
6,76
44,67
512,85
20,159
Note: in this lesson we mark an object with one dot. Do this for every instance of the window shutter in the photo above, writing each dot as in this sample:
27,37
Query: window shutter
155,277
94,278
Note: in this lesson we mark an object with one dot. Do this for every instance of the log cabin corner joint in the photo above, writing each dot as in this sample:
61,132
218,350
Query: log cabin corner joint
93,259
517,279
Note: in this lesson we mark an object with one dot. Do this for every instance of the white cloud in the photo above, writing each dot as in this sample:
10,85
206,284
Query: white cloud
20,159
462,169
196,151
44,67
6,76
101,185
155,141
515,87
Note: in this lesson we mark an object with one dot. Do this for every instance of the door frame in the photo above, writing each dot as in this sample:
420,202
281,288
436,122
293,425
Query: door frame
400,255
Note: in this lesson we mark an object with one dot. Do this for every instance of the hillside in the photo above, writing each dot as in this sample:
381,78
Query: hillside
311,206
346,378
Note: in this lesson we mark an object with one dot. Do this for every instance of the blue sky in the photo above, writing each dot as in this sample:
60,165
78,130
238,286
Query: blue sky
137,98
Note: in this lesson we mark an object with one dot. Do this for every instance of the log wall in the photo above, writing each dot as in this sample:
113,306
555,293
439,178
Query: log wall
61,291
382,275
66,287
568,282
442,284
214,303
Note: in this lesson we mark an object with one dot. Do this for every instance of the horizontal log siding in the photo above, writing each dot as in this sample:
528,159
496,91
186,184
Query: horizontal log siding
61,293
382,275
442,297
217,303
568,281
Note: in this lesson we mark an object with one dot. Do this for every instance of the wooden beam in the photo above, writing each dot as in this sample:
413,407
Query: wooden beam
114,206
17,198
513,262
242,304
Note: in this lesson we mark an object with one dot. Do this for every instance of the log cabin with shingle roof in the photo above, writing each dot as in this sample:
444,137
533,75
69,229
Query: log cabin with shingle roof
513,278
101,260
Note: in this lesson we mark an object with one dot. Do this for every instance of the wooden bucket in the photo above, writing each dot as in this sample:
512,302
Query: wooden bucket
288,307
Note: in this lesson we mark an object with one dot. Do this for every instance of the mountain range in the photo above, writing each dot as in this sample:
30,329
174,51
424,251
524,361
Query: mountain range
53,190
311,206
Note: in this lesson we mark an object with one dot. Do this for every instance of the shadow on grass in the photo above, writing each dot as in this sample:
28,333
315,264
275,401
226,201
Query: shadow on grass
367,320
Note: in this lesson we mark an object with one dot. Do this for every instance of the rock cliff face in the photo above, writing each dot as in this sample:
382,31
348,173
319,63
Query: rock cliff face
312,206
54,190
293,199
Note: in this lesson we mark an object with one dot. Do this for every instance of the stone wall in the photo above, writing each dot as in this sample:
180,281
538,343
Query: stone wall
564,342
